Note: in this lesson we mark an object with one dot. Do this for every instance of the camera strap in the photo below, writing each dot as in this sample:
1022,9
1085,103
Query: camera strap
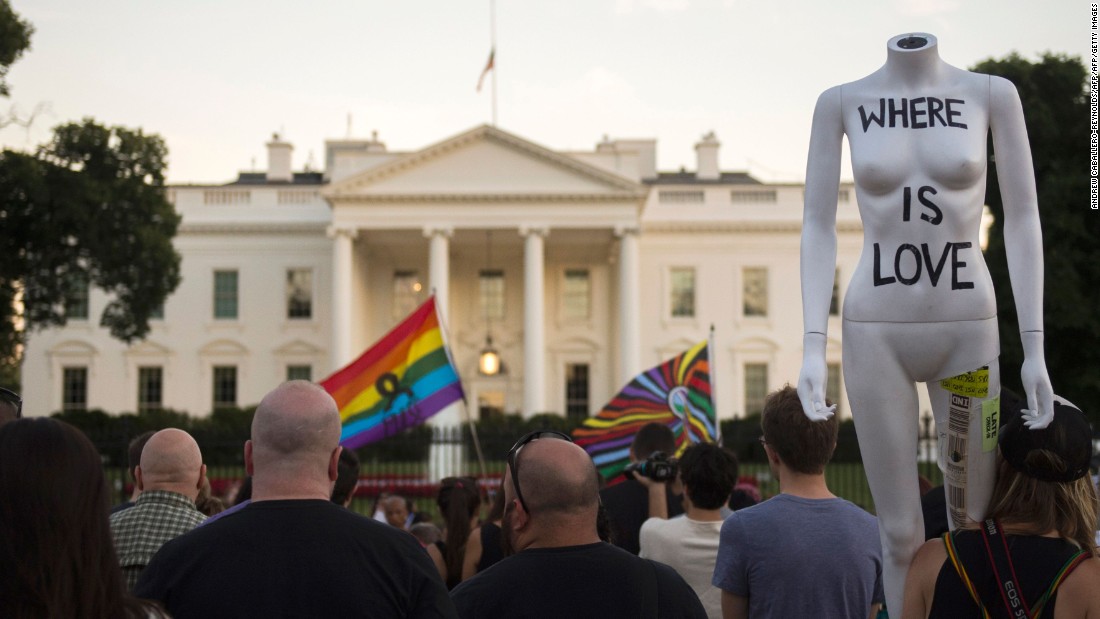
1009,592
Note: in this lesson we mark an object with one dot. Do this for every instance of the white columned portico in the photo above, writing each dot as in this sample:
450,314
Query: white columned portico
629,319
439,266
534,329
341,295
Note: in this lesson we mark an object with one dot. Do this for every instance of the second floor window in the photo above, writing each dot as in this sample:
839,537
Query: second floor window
406,292
754,291
299,293
76,302
225,295
491,293
576,294
682,280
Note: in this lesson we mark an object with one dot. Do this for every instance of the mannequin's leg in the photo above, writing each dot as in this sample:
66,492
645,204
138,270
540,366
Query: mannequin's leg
967,412
884,404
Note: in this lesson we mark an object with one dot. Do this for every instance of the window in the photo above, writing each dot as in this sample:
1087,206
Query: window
406,293
756,387
576,294
490,404
299,293
680,197
150,388
299,372
834,302
576,391
754,291
225,386
76,301
753,196
225,295
683,292
832,385
491,293
74,388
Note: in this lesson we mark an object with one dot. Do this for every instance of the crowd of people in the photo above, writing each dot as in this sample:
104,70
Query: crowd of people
552,541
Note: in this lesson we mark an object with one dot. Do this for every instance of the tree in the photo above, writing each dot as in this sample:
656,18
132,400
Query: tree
88,208
1055,101
15,38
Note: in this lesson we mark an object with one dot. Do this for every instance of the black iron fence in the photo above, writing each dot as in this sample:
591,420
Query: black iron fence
412,463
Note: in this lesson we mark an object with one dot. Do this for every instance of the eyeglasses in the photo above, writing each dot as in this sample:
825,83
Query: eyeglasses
11,397
513,456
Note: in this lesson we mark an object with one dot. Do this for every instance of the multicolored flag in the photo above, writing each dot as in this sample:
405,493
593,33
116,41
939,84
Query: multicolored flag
488,67
398,383
676,393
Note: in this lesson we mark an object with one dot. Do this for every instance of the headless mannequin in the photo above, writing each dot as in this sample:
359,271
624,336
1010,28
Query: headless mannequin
920,305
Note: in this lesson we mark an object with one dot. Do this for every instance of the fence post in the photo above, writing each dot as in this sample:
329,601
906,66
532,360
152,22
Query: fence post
447,453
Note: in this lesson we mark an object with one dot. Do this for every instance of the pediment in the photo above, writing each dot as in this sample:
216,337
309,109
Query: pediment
297,348
756,345
72,348
675,347
148,348
484,162
223,348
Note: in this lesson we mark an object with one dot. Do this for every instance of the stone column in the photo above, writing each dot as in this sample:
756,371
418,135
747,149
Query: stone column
439,266
629,319
446,455
534,320
342,239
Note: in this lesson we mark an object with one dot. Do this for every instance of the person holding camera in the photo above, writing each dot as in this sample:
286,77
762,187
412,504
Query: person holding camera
646,493
689,544
803,552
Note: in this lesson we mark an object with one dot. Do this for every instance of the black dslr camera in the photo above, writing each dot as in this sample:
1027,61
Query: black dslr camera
658,467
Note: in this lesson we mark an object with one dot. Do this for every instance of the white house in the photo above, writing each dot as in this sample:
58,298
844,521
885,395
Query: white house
583,267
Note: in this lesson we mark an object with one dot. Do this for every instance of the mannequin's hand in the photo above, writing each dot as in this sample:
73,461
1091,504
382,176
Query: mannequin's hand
1040,395
811,388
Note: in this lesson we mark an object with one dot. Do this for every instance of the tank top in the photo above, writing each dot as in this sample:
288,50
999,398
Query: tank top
491,551
1037,560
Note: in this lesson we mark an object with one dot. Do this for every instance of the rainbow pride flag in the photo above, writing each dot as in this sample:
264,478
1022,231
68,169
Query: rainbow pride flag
676,393
399,382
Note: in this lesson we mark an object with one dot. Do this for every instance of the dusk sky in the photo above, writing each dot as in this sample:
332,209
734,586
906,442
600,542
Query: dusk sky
217,78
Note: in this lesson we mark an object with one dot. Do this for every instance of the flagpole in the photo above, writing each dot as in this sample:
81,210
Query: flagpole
465,404
712,353
493,47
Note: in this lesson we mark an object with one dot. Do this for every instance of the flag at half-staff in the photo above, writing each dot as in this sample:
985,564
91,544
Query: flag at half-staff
676,393
399,382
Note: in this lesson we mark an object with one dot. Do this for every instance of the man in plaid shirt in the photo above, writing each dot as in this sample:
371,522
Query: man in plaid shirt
169,476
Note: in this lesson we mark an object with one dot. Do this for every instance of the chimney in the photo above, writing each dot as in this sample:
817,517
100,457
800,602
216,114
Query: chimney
706,154
278,160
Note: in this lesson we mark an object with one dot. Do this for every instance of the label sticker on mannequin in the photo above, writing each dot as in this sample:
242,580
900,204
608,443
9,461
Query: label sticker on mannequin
955,460
971,384
991,423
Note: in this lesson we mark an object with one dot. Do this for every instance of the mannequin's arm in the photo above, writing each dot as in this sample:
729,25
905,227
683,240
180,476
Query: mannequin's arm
819,249
1023,241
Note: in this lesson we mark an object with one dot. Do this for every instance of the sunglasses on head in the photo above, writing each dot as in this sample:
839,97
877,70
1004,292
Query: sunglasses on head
513,456
11,397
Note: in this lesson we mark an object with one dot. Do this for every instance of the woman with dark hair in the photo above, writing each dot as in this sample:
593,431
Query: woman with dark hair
459,502
486,545
57,557
1036,549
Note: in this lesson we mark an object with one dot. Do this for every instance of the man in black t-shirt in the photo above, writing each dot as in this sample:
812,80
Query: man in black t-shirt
628,503
292,552
562,569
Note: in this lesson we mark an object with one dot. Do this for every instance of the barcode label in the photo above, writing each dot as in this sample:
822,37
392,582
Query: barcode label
958,415
956,504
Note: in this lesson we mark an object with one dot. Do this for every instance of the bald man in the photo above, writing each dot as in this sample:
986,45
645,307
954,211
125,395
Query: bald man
561,568
292,552
169,476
